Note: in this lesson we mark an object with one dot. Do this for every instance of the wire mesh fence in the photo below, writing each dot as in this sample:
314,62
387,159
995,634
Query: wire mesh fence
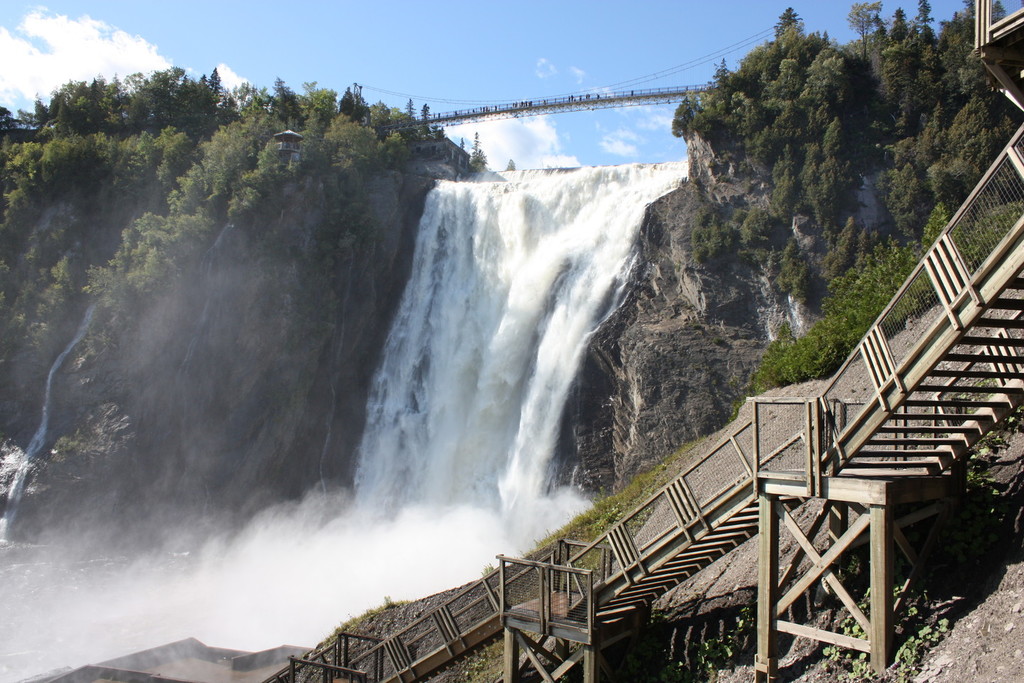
545,594
990,215
719,471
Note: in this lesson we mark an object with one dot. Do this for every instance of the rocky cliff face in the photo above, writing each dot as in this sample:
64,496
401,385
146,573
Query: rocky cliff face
243,385
671,362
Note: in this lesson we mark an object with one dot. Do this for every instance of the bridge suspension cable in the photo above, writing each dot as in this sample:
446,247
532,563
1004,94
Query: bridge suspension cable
619,86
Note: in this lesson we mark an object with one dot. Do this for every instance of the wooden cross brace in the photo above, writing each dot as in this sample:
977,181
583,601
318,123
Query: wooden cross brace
874,525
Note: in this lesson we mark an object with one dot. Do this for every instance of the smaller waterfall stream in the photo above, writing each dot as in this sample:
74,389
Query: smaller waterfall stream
17,487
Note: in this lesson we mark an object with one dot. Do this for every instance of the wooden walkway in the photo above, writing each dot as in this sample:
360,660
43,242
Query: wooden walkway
941,367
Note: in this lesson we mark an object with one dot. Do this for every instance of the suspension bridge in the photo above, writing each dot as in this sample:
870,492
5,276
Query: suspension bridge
553,105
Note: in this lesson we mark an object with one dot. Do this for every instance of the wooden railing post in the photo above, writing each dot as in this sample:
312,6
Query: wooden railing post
755,428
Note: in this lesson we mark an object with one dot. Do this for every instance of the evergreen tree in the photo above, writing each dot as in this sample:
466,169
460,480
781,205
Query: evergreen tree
214,84
285,105
789,19
8,122
511,165
923,22
353,105
899,31
477,158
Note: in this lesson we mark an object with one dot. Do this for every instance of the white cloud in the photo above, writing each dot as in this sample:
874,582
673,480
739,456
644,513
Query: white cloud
228,78
622,142
531,142
578,73
50,50
657,119
545,69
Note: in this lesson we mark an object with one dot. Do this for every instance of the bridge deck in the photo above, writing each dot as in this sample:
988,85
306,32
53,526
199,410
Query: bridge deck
551,105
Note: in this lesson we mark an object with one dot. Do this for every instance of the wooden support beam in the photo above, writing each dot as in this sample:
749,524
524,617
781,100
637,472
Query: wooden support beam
880,632
824,636
527,646
821,567
511,668
766,661
798,556
941,511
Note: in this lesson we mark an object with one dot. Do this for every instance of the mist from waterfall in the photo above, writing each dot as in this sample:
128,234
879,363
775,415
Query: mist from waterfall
510,279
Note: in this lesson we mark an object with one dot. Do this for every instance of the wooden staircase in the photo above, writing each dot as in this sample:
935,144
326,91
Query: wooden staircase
941,367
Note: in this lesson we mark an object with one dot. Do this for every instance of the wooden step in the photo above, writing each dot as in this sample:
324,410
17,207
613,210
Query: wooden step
1000,323
918,440
857,461
1007,305
939,417
954,403
971,340
984,358
888,472
910,452
943,389
977,374
929,429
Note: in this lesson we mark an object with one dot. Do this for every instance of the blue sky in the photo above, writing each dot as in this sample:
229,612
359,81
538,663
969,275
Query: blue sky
447,50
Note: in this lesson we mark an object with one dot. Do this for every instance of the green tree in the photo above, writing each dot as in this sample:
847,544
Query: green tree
477,158
285,105
789,19
318,106
863,17
923,22
510,166
794,275
7,121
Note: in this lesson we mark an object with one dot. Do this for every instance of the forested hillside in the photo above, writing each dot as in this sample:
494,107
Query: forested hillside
220,274
875,143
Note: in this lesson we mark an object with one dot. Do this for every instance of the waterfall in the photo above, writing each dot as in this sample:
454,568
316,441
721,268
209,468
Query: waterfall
17,486
510,278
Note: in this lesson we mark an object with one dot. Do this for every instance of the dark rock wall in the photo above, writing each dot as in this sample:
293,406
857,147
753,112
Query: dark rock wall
671,363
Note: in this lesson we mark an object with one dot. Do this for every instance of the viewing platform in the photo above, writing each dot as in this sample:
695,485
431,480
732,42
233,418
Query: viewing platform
1000,44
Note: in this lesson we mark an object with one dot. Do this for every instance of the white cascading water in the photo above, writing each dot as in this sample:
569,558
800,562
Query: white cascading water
509,281
17,486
